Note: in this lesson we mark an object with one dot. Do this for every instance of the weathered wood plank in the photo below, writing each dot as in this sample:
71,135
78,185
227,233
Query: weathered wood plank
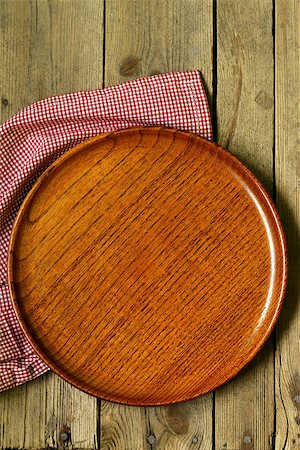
245,83
181,426
35,414
287,174
244,409
48,47
147,37
144,38
123,427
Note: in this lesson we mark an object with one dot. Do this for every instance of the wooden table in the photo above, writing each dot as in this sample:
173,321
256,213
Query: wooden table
248,53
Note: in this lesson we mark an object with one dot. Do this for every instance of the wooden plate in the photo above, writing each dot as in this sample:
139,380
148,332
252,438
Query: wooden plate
147,266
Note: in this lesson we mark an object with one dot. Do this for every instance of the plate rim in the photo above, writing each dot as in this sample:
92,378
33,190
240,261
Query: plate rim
274,215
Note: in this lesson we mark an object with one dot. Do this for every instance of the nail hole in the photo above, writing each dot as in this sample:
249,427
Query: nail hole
64,436
151,439
297,399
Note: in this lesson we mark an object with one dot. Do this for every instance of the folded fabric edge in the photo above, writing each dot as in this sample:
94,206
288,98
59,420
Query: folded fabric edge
200,97
25,111
16,372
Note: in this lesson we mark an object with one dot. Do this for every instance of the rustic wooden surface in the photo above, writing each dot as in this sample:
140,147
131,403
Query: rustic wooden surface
42,53
52,46
287,172
244,408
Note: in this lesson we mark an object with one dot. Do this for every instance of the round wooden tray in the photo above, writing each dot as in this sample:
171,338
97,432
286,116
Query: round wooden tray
147,266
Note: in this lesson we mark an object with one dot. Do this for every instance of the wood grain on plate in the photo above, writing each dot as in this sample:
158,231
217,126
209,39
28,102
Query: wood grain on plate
147,266
183,40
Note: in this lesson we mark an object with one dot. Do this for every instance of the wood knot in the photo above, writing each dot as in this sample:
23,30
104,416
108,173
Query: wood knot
177,420
155,72
130,66
4,101
264,100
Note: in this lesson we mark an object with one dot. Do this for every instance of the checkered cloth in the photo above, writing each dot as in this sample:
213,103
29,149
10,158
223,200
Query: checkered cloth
36,136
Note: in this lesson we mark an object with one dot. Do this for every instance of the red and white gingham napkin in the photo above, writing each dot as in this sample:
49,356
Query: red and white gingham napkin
36,136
